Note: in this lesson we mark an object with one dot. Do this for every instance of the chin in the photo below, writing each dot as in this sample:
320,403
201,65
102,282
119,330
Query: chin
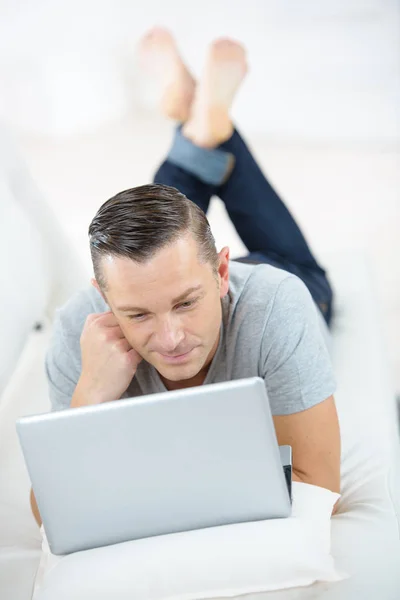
177,373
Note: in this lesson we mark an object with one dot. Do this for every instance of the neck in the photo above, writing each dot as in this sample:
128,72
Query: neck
185,383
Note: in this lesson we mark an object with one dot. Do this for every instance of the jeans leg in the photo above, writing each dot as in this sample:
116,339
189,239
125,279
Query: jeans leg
261,218
266,226
174,172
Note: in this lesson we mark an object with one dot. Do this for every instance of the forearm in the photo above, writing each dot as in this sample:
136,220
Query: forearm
35,509
314,436
79,397
323,475
85,395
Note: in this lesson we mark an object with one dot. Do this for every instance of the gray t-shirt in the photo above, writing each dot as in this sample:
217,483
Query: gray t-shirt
270,328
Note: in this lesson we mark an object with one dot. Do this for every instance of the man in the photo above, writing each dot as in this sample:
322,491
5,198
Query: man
166,311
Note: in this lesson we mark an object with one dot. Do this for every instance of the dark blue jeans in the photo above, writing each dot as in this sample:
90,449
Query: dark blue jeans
261,219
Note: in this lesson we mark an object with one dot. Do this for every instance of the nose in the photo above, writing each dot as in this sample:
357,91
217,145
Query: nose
169,335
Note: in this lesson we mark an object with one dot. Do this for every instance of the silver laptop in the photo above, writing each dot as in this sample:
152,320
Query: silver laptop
156,464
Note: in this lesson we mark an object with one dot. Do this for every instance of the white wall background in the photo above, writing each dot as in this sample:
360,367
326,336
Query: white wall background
320,68
321,107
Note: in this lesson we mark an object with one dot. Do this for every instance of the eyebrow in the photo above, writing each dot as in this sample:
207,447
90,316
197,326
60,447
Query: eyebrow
181,297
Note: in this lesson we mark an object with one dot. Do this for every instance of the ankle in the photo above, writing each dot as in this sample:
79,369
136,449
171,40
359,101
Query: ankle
208,127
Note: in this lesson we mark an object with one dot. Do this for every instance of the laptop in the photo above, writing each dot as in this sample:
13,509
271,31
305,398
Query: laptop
157,464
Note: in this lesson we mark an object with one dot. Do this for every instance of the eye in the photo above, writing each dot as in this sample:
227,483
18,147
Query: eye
138,317
186,304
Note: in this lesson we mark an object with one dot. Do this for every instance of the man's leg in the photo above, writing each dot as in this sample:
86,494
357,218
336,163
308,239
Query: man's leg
263,222
193,188
160,58
261,218
266,226
209,157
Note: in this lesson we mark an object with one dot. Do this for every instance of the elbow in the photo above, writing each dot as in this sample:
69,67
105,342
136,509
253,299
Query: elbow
328,479
35,510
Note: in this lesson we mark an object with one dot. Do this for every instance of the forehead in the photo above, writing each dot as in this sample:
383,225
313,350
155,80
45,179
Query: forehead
168,273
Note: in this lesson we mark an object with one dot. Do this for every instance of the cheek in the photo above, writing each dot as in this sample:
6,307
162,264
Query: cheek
135,335
209,318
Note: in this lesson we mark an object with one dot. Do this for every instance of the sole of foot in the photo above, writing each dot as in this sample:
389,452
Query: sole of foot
160,60
225,68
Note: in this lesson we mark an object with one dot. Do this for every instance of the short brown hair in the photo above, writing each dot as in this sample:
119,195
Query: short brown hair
136,223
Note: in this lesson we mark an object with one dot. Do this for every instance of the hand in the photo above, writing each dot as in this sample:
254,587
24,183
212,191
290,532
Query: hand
108,361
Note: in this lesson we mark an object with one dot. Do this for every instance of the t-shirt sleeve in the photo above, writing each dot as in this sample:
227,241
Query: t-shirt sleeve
61,368
296,365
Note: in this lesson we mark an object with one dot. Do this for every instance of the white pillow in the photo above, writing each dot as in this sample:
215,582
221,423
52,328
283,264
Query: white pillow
207,563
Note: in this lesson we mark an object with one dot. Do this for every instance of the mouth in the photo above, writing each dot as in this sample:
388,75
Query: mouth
177,358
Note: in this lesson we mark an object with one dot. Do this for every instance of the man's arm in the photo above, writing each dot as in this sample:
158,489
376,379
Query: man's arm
35,509
315,439
108,365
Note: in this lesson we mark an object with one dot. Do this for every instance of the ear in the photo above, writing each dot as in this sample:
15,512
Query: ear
223,271
96,285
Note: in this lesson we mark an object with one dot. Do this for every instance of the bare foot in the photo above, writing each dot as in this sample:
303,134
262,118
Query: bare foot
210,124
159,57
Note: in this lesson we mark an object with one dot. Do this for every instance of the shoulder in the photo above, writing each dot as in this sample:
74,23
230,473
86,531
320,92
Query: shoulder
63,353
269,302
262,287
274,331
63,357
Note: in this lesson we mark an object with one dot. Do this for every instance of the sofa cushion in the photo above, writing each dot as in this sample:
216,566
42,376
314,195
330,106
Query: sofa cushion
23,280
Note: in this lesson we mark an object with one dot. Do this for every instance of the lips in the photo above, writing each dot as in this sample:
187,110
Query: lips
176,357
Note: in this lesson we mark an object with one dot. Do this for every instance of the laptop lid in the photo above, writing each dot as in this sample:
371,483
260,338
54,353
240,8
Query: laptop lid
156,464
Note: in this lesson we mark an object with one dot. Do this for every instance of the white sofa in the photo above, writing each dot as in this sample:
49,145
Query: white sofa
365,533
39,271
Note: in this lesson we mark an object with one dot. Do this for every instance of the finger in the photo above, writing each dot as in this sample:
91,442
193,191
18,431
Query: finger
105,319
135,355
123,345
98,315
